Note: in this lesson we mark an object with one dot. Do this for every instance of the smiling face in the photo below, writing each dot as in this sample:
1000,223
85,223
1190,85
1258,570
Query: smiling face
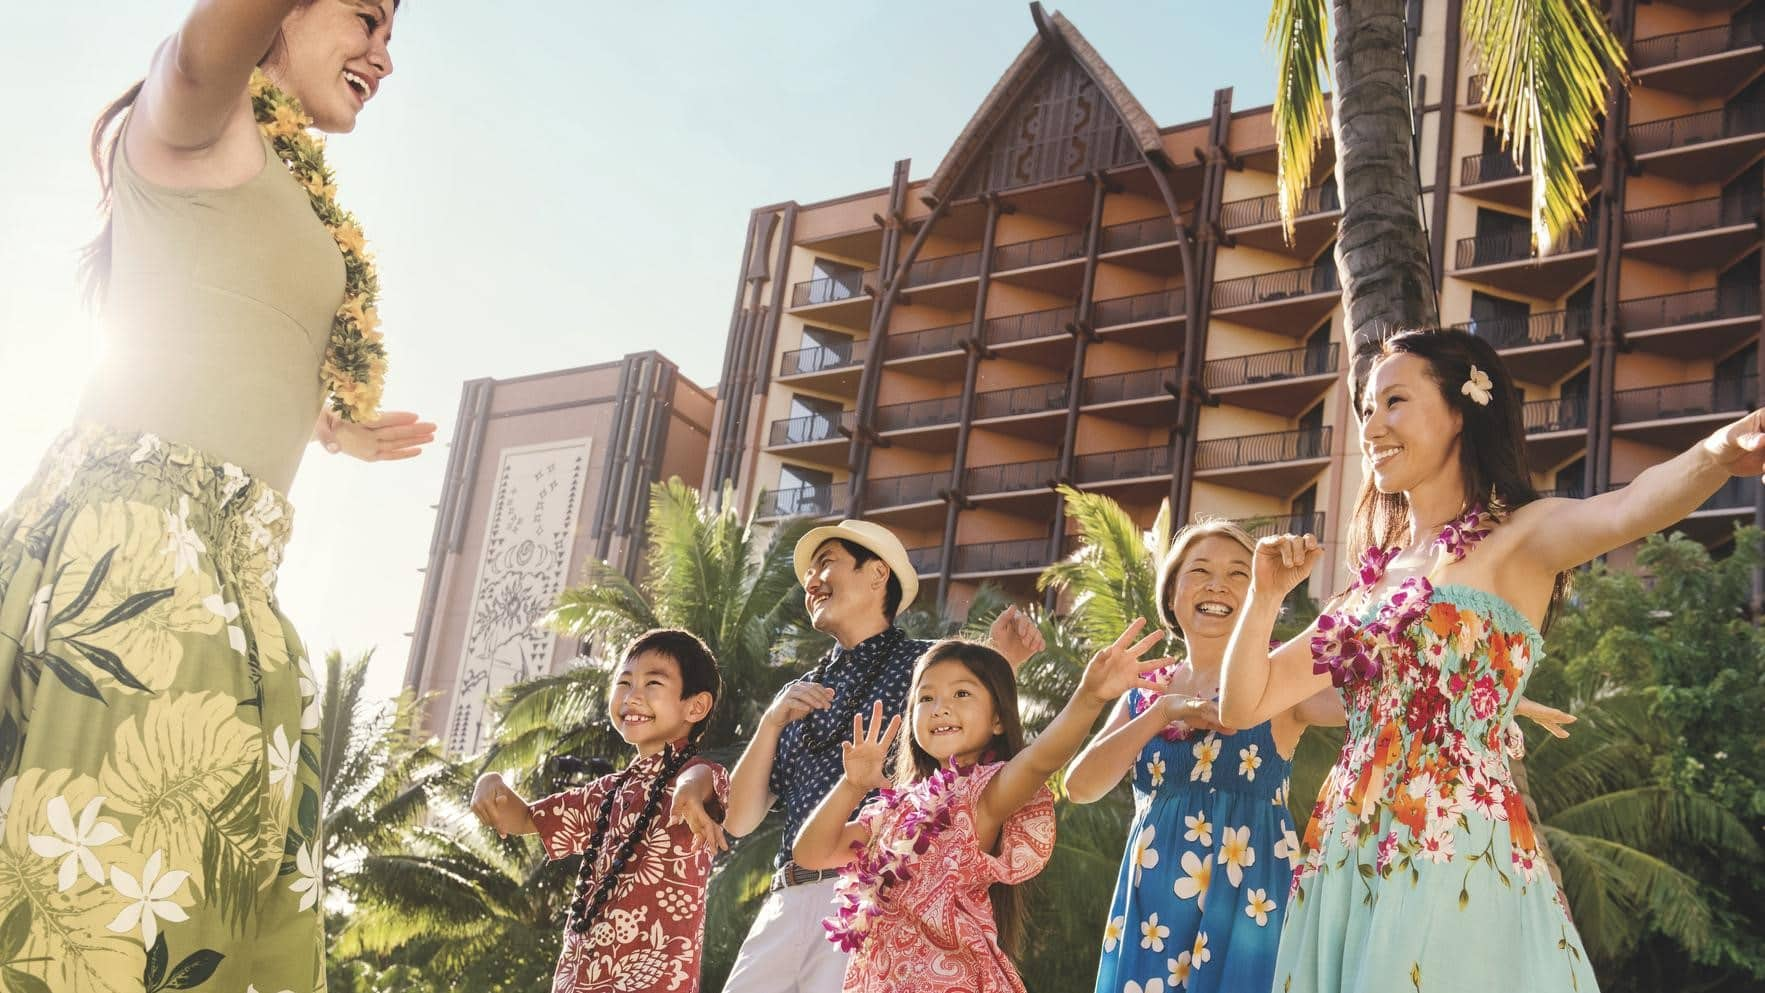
1210,585
954,715
841,594
647,705
1409,433
332,57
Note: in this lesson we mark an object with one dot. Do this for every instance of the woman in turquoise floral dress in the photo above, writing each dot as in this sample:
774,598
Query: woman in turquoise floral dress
1419,869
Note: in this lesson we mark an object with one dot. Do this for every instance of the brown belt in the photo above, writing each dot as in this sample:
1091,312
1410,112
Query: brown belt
792,874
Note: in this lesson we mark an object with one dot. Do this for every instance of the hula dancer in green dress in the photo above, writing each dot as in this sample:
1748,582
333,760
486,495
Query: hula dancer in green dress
159,792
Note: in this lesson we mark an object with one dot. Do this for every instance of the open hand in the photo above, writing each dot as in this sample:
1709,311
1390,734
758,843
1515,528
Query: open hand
1282,562
1193,713
1550,718
796,701
1118,667
707,833
868,751
394,435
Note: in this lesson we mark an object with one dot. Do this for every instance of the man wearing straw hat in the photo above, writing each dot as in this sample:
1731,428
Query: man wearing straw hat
856,579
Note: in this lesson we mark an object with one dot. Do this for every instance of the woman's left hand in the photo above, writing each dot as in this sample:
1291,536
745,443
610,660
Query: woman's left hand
1740,447
394,435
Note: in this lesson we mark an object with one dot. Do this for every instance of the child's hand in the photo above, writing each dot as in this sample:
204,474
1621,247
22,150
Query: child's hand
489,799
707,833
1117,668
1193,713
866,753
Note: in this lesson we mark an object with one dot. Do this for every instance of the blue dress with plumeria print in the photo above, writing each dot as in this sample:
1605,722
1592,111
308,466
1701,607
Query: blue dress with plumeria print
1203,884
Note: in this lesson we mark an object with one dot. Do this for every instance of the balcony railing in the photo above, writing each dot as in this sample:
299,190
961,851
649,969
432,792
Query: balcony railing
806,429
1010,477
813,500
942,270
829,289
1699,399
1153,306
1474,89
1555,414
1002,556
1137,385
1020,400
1263,449
1682,46
1489,167
1691,217
1513,246
1021,327
894,491
1274,524
925,560
1271,286
1129,463
1263,367
1041,251
1739,493
1573,491
1253,211
918,414
1691,129
1135,234
927,342
821,358
1693,307
1547,328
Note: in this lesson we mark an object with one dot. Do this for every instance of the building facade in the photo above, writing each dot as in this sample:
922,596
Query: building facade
545,474
1079,294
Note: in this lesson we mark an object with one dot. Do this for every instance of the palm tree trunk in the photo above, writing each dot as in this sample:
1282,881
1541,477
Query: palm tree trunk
1382,250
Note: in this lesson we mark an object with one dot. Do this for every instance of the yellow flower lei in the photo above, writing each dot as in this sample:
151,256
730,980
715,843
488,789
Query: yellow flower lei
354,372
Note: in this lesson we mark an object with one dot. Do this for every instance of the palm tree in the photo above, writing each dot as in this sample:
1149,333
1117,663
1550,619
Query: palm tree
1549,63
377,769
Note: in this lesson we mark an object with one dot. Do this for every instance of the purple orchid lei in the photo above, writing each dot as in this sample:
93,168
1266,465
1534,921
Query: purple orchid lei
1349,650
877,866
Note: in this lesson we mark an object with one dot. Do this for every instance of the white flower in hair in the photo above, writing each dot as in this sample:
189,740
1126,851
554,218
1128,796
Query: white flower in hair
1478,387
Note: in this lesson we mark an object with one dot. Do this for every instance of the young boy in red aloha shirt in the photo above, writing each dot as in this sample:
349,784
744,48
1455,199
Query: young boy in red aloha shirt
647,834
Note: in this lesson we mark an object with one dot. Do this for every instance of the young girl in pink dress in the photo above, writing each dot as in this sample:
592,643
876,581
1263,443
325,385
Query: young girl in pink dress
926,902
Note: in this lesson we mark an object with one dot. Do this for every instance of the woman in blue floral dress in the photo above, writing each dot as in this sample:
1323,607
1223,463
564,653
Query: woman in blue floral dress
1204,881
1419,870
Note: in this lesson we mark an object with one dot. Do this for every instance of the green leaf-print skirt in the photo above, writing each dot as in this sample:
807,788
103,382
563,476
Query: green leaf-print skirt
159,787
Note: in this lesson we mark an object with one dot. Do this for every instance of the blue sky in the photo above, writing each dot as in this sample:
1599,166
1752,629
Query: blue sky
546,184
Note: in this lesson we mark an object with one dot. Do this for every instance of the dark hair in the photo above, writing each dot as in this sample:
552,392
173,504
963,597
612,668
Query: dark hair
913,763
698,667
891,593
94,265
1492,442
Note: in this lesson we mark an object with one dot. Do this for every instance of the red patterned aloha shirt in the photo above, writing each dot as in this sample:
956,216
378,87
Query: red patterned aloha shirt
647,936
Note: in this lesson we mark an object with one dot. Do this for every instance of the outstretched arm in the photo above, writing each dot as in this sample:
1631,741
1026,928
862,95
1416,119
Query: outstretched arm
501,808
198,78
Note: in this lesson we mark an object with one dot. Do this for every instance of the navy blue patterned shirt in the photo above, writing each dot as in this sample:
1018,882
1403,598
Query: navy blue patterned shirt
808,763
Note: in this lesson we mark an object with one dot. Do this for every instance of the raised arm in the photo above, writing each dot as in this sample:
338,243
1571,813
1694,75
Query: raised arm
1561,534
1015,636
826,839
198,78
1113,752
501,808
1258,684
750,790
1113,671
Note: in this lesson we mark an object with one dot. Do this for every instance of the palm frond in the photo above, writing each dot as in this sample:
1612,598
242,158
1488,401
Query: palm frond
1550,64
1110,578
1299,32
1661,819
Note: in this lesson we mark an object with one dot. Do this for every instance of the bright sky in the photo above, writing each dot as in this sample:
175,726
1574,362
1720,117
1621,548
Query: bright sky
546,184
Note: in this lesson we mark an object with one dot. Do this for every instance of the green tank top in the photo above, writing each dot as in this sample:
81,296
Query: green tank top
216,318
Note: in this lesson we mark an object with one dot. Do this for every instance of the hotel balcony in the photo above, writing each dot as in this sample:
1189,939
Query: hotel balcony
1030,412
1256,221
949,281
1145,320
1134,475
813,437
1698,322
1274,524
927,424
1538,348
1290,301
1497,178
1674,417
1714,521
1011,480
1704,62
828,368
915,500
933,352
845,300
1055,264
1041,336
926,562
1149,245
1556,429
1505,262
1277,464
802,501
995,558
1696,148
1696,234
1285,382
1145,397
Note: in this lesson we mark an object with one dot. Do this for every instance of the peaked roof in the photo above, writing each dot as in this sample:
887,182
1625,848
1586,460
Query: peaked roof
1054,35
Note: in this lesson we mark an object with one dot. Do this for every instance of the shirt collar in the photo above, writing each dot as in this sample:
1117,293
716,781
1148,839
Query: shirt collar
871,648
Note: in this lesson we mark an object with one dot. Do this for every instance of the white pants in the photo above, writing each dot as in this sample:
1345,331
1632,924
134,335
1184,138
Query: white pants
787,950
